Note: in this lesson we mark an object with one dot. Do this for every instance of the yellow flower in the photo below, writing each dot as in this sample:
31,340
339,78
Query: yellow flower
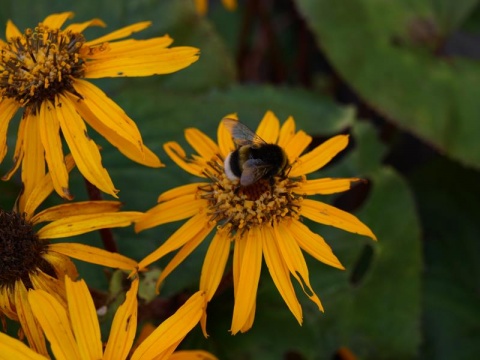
43,72
261,219
30,261
75,334
202,5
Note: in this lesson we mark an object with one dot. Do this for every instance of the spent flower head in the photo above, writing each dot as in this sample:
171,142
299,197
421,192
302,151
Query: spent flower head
261,220
43,72
29,260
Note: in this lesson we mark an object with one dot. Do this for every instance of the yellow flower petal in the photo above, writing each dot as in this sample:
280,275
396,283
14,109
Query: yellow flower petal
8,108
80,27
114,125
124,326
94,255
178,155
314,244
12,31
7,303
319,156
294,260
95,102
53,286
330,215
120,33
140,58
19,150
214,263
84,150
54,321
173,210
194,226
62,265
56,21
297,145
81,224
246,288
287,131
325,186
15,349
43,188
189,189
145,332
30,326
182,254
77,208
83,318
192,355
250,319
225,141
201,143
238,254
33,167
172,330
269,128
280,274
50,135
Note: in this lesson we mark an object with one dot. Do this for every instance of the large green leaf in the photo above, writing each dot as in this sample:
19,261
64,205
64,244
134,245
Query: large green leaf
448,206
379,49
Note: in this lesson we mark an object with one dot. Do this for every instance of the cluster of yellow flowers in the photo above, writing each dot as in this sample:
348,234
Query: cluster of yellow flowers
44,72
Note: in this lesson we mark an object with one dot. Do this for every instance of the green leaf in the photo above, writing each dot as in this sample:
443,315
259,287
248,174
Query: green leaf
448,206
451,13
379,49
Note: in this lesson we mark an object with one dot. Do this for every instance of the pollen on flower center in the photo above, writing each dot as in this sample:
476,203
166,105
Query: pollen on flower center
39,64
240,208
20,250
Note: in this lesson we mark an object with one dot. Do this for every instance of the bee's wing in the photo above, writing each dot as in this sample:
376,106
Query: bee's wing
253,170
241,134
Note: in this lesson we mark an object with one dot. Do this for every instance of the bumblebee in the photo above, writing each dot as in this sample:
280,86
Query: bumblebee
253,159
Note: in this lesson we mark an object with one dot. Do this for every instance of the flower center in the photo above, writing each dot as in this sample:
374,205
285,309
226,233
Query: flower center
39,64
20,250
241,208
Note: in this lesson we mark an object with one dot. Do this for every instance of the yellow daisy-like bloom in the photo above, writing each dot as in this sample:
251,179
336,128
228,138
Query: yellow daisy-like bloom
263,219
75,334
43,71
202,5
30,261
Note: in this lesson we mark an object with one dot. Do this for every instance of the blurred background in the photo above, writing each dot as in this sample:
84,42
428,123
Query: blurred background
402,78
